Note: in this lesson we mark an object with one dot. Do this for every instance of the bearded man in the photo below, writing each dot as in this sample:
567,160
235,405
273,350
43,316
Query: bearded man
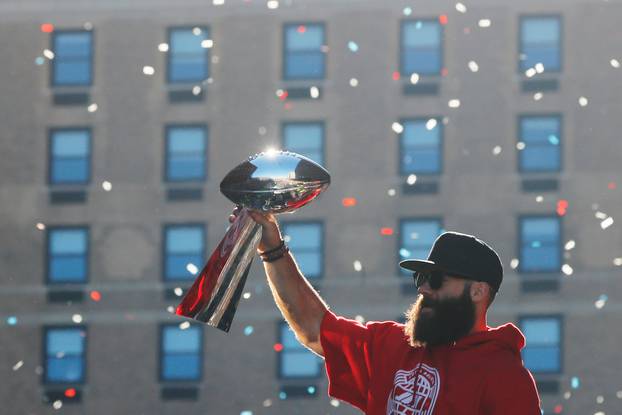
445,360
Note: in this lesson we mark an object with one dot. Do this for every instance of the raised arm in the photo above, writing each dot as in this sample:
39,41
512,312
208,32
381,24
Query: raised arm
301,306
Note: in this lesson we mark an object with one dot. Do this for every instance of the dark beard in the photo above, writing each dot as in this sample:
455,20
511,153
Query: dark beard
450,320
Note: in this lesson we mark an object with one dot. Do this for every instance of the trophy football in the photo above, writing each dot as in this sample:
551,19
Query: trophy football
272,181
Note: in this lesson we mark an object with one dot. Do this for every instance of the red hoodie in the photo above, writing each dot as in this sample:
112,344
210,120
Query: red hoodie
374,368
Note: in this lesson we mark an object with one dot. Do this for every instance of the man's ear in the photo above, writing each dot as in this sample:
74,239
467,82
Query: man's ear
479,292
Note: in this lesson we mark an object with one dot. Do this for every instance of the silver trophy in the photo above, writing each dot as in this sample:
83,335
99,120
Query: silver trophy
272,181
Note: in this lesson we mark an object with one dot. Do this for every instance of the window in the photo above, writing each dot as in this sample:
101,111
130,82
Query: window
188,55
421,147
541,137
540,43
306,241
65,350
421,47
185,153
184,248
417,237
181,352
73,58
70,156
296,361
542,353
540,244
306,138
304,58
68,250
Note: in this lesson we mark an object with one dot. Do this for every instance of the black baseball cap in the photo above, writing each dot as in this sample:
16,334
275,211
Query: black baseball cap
462,255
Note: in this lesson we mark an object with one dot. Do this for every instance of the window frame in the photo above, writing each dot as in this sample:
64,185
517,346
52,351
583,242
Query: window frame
165,170
441,146
162,354
285,55
322,247
401,273
519,138
51,132
560,251
44,352
560,45
441,47
279,363
91,58
320,123
165,228
560,319
48,256
169,54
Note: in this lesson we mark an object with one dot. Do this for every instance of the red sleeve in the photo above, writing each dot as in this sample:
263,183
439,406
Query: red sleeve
511,391
347,349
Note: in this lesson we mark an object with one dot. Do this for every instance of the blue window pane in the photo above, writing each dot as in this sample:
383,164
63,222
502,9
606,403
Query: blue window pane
73,58
188,58
304,58
65,355
542,331
420,148
421,48
540,43
295,360
70,156
306,139
543,340
305,240
185,153
417,237
181,353
542,359
542,137
540,245
184,245
67,255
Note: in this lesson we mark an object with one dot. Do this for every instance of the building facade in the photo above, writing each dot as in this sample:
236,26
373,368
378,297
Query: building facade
121,118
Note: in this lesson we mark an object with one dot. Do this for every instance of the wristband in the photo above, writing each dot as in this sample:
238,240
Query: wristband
274,254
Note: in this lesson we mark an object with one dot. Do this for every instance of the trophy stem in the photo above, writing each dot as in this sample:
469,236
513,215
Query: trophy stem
214,296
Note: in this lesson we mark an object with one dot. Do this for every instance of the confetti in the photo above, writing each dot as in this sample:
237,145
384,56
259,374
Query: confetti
461,8
163,47
414,78
191,268
314,91
92,108
600,399
359,318
606,223
335,403
87,26
311,390
218,2
567,269
348,201
520,145
442,19
178,291
567,395
431,123
184,325
407,11
282,395
391,192
354,82
196,90
281,94
569,245
18,365
496,150
539,199
558,409
562,207
397,127
514,263
454,103
395,76
537,96
248,330
11,320
601,301
278,347
48,54
530,72
70,393
39,60
615,63
484,23
267,403
148,70
539,67
617,261
196,31
473,66
411,179
95,296
76,318
215,59
245,412
57,404
262,130
353,46
40,226
358,267
207,43
47,27
170,309
404,253
583,101
386,231
246,295
619,394
575,382
600,215
272,4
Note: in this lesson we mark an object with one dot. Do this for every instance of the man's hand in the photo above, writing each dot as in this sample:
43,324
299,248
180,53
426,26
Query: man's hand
270,236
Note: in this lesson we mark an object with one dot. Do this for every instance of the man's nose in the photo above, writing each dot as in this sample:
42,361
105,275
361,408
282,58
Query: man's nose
424,289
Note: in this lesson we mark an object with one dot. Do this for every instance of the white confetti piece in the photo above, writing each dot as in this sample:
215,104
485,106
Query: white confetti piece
484,23
148,70
397,127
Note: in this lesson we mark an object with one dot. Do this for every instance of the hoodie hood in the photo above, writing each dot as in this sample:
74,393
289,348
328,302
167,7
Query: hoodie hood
507,336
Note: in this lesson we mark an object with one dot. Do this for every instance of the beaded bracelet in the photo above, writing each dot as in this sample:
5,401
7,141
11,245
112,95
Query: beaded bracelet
274,254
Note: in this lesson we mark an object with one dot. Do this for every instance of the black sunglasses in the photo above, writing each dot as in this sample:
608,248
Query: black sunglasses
433,278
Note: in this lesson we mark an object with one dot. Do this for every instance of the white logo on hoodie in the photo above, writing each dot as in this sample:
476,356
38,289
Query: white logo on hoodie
414,391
